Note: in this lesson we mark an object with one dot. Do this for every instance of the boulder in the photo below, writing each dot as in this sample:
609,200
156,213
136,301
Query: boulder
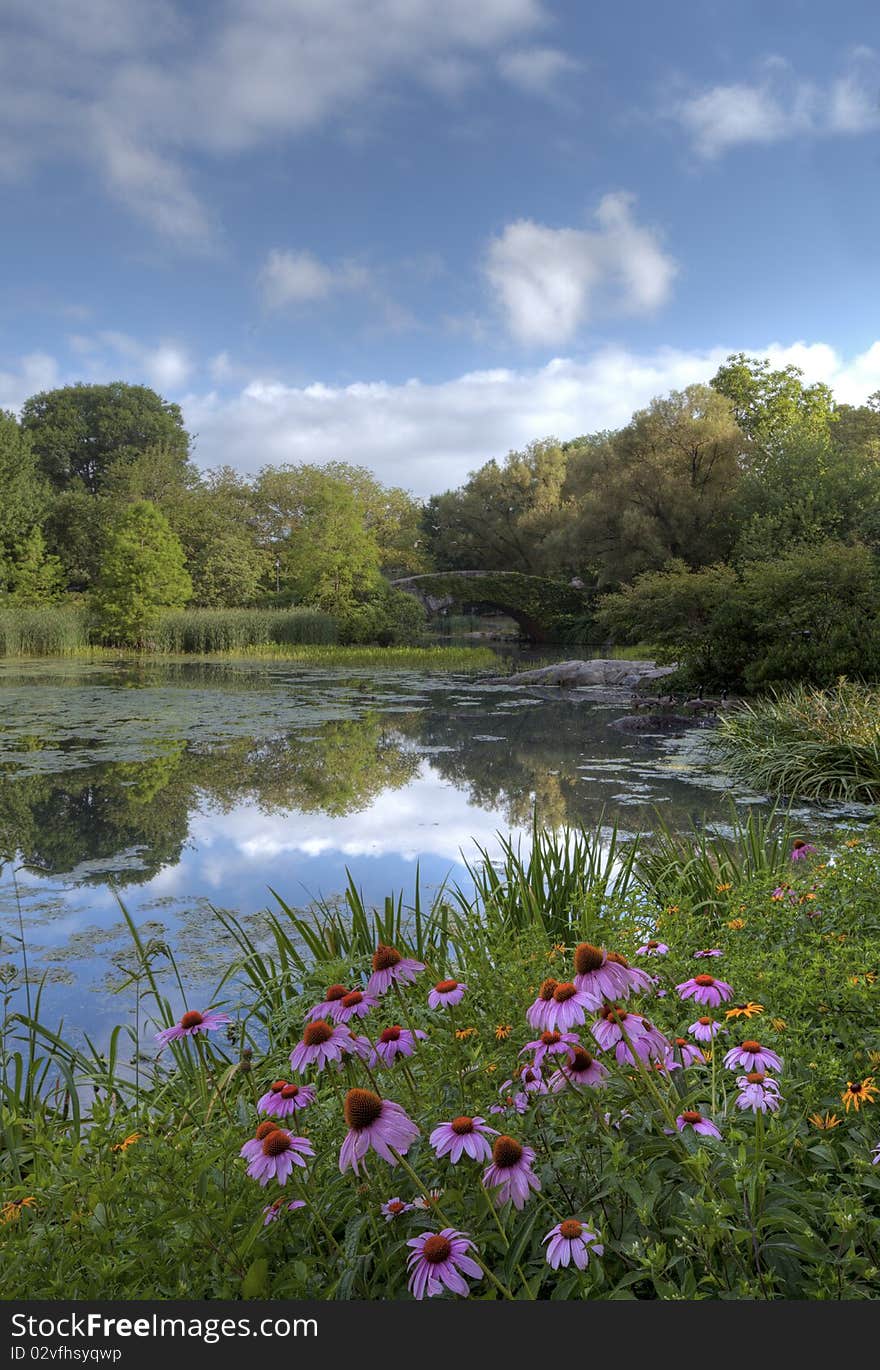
606,674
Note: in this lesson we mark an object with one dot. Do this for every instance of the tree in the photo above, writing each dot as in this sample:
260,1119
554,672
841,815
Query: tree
142,572
330,558
216,521
35,577
771,406
22,493
79,431
660,489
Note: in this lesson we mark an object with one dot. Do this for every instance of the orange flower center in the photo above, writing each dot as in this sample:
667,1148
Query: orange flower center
613,1013
704,980
277,1086
335,992
353,999
751,1045
290,1091
756,1077
396,1206
619,960
550,1039
276,1144
692,1117
191,1019
264,1130
570,1229
317,1033
462,1126
563,993
506,1153
436,1250
704,1022
362,1107
547,990
587,958
582,1060
390,1034
651,945
446,986
386,958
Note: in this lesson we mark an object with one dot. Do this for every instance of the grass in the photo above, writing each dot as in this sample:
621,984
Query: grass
206,631
807,743
50,630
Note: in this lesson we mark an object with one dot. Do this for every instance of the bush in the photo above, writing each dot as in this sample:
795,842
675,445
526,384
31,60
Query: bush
389,618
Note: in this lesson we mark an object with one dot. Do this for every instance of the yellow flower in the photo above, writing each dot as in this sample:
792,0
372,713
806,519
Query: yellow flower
558,949
708,1053
463,1033
778,1024
722,889
858,1093
671,908
825,1122
491,1068
744,1010
11,1211
874,1058
853,842
502,1031
129,1141
737,924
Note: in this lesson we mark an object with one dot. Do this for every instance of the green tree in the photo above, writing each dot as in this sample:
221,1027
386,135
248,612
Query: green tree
772,406
142,572
35,576
79,431
22,494
216,521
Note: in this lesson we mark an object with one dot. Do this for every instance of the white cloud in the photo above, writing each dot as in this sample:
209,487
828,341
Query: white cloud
133,88
537,70
35,372
549,281
294,278
165,367
780,105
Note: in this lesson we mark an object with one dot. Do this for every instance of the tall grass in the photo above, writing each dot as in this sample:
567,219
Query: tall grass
807,743
204,631
46,630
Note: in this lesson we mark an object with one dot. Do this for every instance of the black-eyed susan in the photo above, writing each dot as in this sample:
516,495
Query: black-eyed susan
747,1010
12,1210
127,1142
502,1032
859,1092
824,1121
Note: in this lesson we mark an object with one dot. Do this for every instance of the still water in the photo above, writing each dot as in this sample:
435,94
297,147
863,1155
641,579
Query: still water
179,787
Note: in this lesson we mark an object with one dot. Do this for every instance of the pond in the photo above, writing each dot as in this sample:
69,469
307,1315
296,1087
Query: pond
179,787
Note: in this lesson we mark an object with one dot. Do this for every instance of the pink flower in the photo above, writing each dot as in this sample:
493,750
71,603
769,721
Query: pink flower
647,1041
875,1155
191,1023
705,989
752,1056
571,1241
390,968
510,1173
629,979
332,996
759,1092
362,1047
690,1118
528,1080
552,1043
397,1041
568,1008
708,951
281,1098
279,1152
536,1015
439,1261
274,1209
394,1207
582,1070
254,1146
355,1004
801,850
704,1029
374,1123
321,1042
685,1052
652,949
447,993
594,975
464,1136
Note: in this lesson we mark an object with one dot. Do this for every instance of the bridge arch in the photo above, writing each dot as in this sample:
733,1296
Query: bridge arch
543,608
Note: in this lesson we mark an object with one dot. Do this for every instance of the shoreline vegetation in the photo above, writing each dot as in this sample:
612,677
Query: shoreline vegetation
658,1058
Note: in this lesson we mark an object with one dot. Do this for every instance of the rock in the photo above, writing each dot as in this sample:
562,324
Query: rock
625,674
656,723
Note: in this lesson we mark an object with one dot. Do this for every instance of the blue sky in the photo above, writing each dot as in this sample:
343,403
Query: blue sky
413,235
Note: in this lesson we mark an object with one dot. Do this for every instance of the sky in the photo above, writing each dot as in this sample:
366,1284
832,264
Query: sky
414,236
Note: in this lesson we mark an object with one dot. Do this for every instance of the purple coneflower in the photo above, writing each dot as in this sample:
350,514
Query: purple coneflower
274,1209
552,1043
279,1152
362,1047
705,1028
425,1201
647,1041
397,1041
582,1070
593,975
464,1136
750,1055
690,1118
759,1092
282,1098
875,1155
377,1123
511,1174
446,994
685,1052
652,948
708,951
568,1007
355,1004
254,1146
390,968
440,1260
801,850
536,1015
630,979
332,996
394,1207
705,989
191,1023
321,1042
571,1241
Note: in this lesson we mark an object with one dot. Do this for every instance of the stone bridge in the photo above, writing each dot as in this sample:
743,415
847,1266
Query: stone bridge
543,608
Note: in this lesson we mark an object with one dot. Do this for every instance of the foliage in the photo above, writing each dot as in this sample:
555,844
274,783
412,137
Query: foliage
545,609
807,743
204,631
142,572
122,1173
56,630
